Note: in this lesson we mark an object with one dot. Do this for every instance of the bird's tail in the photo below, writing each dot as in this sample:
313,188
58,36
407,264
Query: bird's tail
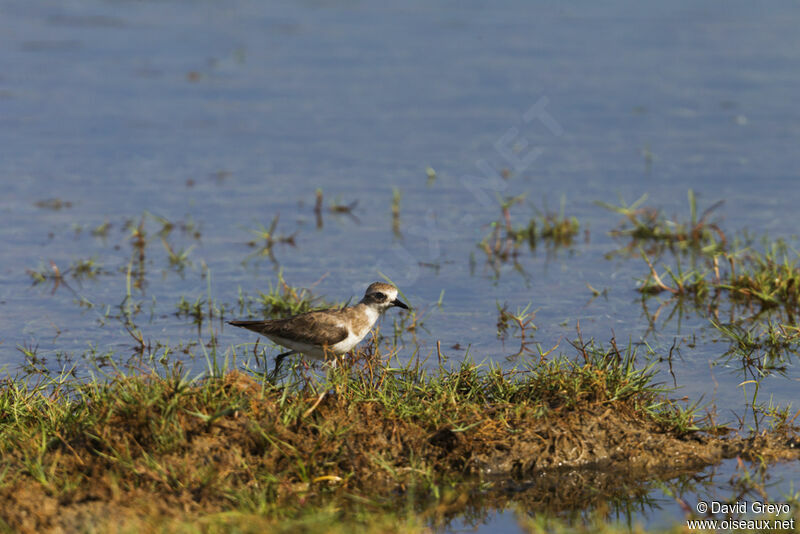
255,326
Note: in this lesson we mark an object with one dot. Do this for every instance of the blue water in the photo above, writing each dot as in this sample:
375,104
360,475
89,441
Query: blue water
227,114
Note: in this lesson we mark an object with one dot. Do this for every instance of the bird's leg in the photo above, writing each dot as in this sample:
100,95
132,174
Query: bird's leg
329,361
279,358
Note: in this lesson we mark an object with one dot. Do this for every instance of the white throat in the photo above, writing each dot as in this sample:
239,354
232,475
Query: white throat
372,314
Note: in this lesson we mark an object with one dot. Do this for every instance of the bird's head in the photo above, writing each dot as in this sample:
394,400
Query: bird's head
382,296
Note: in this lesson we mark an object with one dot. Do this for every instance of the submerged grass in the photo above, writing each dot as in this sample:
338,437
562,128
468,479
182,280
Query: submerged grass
750,297
521,325
648,225
505,239
235,451
752,278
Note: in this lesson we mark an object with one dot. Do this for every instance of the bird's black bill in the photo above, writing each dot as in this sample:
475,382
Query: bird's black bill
399,303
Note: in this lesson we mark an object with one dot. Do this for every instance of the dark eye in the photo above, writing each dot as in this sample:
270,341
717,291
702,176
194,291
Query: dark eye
379,296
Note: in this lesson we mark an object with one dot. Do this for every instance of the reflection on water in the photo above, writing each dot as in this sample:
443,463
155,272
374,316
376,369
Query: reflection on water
588,496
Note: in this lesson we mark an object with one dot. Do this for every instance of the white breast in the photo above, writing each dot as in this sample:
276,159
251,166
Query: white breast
354,337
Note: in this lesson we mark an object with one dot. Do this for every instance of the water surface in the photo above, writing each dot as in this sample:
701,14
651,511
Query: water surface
222,116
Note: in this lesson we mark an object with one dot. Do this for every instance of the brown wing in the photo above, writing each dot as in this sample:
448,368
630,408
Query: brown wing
315,328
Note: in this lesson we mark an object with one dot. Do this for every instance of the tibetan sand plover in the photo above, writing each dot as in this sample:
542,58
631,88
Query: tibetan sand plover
322,333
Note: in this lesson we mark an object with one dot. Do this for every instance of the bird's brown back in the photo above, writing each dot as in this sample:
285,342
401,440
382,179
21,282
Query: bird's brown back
315,327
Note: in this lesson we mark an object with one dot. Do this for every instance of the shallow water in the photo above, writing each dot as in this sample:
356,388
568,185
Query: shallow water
228,114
